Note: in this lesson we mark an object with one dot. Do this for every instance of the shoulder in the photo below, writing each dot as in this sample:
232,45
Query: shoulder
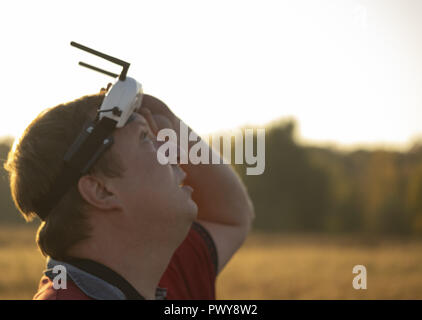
197,248
46,291
192,270
200,237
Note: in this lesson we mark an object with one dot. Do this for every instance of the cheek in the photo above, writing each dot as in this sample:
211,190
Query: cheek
145,179
149,175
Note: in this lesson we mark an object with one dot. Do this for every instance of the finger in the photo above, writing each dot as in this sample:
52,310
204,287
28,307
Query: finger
156,106
162,121
150,119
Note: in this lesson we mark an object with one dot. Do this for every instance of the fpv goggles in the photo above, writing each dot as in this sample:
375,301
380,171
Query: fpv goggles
120,102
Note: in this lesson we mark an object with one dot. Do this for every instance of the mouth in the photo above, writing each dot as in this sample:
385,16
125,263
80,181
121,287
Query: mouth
181,185
185,187
182,176
182,181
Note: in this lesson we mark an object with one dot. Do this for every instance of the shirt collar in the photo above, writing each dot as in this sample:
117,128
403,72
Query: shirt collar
92,285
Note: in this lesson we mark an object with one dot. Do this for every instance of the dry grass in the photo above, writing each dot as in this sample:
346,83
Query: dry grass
21,264
267,267
292,267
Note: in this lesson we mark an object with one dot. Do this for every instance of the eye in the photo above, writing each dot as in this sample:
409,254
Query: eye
144,135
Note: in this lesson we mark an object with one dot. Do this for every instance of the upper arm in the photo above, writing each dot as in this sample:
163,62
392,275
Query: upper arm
227,239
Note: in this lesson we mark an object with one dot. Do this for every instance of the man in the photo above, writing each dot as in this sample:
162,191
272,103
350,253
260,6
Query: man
131,228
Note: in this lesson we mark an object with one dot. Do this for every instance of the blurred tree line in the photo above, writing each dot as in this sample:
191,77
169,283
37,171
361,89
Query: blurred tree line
8,211
316,189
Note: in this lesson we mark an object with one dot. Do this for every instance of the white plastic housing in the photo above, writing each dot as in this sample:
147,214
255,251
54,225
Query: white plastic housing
127,96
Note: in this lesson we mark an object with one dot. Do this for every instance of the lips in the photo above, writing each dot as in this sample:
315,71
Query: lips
181,175
187,188
182,182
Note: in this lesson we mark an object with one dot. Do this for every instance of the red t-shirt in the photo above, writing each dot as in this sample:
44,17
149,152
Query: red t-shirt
191,273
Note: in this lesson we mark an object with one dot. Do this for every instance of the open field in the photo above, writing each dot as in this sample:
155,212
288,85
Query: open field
267,267
315,267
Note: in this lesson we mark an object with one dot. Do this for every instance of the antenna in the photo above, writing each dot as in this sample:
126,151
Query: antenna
122,63
86,65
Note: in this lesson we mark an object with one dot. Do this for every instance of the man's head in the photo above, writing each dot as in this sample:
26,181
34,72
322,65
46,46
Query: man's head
127,192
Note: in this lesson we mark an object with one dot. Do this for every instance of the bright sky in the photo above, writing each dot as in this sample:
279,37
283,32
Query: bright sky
349,71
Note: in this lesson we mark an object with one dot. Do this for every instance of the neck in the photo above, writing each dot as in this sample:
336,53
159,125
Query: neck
141,263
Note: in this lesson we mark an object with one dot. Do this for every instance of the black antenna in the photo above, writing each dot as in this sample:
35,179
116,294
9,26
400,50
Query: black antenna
122,63
86,65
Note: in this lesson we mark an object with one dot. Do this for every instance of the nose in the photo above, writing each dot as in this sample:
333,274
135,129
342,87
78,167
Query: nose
173,152
181,154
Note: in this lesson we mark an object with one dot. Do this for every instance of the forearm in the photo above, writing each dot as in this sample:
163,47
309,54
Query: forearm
219,192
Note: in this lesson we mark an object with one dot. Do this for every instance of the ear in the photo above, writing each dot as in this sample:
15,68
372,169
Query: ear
96,193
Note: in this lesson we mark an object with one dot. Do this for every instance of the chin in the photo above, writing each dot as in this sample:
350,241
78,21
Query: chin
192,209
